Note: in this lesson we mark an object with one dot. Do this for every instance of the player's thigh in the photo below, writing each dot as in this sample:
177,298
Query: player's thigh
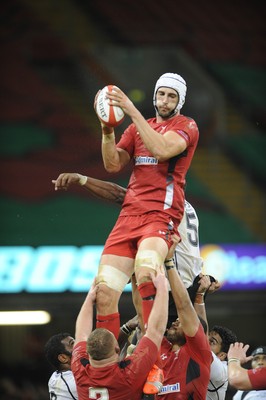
154,243
123,265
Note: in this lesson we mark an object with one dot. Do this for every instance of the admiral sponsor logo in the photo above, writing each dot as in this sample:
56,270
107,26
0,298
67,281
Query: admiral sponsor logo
145,160
170,389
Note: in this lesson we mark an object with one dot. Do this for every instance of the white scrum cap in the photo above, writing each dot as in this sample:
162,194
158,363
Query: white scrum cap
173,81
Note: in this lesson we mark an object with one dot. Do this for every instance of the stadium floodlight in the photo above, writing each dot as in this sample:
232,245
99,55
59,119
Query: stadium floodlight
38,317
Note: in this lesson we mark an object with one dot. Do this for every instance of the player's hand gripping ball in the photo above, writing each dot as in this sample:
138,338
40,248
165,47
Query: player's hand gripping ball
110,115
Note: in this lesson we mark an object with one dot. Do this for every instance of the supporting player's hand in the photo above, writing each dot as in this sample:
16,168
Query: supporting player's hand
239,350
175,241
214,286
207,285
93,291
159,279
65,180
133,323
204,283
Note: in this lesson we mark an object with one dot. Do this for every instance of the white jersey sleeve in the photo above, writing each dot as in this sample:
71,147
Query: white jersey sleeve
62,386
218,379
250,395
187,253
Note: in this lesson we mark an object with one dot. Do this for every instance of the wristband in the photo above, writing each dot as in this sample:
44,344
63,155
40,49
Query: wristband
199,299
169,264
126,329
170,260
108,138
167,267
233,360
82,179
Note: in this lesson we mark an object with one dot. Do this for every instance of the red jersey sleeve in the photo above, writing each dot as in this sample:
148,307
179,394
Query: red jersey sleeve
126,141
186,128
257,378
79,352
199,347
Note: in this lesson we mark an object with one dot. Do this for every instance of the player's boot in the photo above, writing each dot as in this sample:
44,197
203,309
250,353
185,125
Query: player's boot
154,382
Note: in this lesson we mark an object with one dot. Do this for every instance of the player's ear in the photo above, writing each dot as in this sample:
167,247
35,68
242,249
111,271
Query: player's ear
222,355
63,358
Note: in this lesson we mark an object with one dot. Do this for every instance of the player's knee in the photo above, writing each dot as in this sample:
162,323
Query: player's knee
104,297
147,262
144,276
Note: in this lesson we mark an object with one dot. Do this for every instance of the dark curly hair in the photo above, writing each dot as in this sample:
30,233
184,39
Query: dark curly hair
227,336
54,347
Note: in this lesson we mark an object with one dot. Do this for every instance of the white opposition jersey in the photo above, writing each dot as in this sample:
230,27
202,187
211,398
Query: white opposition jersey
62,386
187,253
250,395
218,379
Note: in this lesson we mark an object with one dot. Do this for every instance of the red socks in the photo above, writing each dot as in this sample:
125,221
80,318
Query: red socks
147,292
110,322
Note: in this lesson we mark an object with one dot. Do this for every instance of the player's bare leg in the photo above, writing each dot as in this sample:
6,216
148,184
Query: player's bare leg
113,275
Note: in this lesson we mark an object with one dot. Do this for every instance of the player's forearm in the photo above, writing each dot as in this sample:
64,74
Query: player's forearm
105,190
201,311
185,310
199,300
84,322
154,141
126,330
237,375
179,292
110,153
159,313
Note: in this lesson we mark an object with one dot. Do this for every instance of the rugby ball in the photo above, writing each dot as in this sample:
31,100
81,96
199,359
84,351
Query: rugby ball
110,115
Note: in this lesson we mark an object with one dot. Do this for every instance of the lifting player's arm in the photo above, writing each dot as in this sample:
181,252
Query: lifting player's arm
114,159
84,321
101,189
162,147
185,310
238,377
206,285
